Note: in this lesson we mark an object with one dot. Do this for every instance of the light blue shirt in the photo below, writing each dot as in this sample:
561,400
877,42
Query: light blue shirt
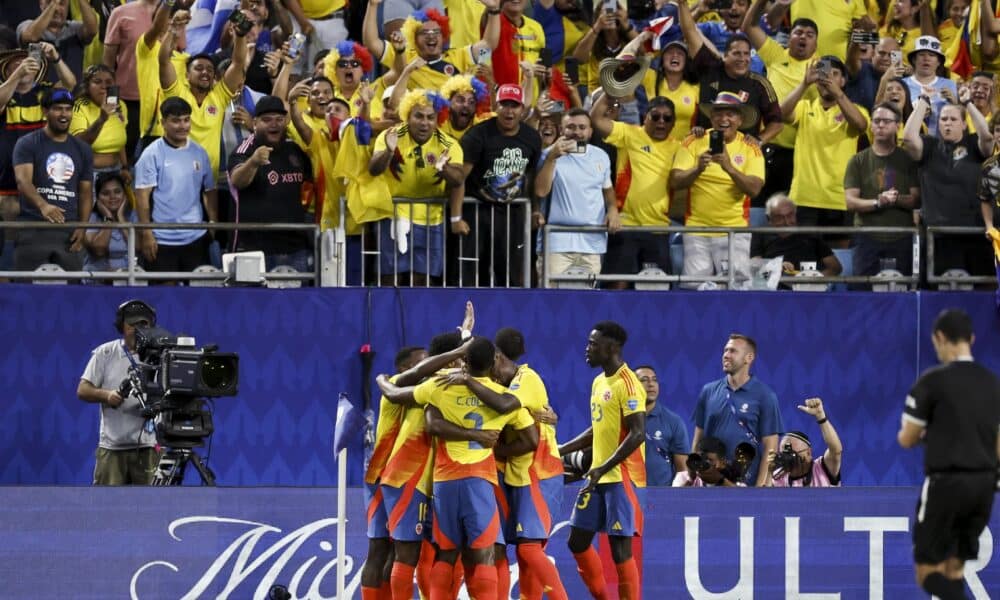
577,198
177,176
937,99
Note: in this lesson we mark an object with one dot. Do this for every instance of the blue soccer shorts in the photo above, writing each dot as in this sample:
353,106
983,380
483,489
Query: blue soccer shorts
614,508
466,514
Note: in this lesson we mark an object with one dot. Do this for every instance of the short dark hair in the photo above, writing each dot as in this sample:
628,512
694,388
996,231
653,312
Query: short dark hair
801,436
746,338
650,367
660,101
510,343
612,331
985,74
736,37
404,355
888,107
341,101
321,79
174,107
836,63
201,55
104,178
713,445
444,342
578,112
804,22
954,324
321,55
480,355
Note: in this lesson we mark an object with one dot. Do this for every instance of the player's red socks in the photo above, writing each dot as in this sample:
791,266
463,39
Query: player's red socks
441,576
628,580
424,566
402,581
482,584
385,591
369,593
457,575
503,577
541,575
588,564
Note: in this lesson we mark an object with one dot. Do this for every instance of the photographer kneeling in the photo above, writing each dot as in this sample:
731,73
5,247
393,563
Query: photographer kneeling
794,465
708,467
126,453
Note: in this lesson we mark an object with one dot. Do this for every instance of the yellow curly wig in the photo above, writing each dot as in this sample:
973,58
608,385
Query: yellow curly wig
411,100
457,84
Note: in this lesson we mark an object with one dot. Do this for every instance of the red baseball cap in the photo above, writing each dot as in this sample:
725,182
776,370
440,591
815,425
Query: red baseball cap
510,91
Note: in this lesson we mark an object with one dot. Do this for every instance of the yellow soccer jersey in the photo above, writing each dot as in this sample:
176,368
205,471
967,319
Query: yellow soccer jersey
462,459
545,461
464,17
411,172
648,164
147,69
611,400
713,198
316,9
833,19
785,73
433,75
685,99
389,417
412,456
207,117
824,145
111,139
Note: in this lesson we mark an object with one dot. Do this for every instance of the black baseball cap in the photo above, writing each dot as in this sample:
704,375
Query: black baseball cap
270,104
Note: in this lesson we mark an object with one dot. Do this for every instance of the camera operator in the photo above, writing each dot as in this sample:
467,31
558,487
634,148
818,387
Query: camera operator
126,453
708,467
794,465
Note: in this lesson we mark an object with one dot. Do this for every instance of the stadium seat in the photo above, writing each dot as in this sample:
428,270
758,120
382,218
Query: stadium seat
138,282
652,285
282,283
890,286
955,285
49,268
574,285
206,282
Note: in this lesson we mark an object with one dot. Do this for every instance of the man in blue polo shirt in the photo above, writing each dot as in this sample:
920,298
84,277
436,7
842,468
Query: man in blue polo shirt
740,408
174,184
666,434
578,175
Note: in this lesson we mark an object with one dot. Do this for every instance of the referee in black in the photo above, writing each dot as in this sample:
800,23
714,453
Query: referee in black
955,408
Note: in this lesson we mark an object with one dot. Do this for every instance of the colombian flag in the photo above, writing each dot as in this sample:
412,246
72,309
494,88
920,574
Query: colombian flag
958,57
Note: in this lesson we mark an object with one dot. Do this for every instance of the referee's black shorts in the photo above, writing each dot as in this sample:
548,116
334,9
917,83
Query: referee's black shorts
952,511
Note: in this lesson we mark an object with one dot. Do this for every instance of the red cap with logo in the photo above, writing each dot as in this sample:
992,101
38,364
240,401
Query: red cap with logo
510,91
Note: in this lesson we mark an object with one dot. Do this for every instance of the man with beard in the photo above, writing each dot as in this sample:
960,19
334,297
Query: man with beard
740,408
500,158
882,189
268,173
732,73
645,154
199,88
53,172
417,161
828,129
785,69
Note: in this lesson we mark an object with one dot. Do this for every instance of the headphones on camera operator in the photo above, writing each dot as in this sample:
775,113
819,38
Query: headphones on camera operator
130,308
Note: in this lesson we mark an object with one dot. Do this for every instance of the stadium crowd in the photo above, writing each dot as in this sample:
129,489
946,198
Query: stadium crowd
708,113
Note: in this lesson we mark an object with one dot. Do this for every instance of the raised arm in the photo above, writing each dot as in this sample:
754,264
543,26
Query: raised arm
636,424
431,365
978,122
599,117
34,31
692,35
161,17
235,75
89,18
168,75
913,144
369,30
396,394
792,99
751,24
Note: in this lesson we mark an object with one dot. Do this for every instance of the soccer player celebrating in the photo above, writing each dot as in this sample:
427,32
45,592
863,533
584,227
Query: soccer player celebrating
609,501
533,480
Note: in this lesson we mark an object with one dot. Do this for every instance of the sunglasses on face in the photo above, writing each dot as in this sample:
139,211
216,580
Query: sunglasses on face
661,117
348,64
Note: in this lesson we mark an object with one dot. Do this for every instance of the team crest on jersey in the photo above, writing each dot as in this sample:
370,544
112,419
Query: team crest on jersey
272,178
738,160
606,396
959,153
744,407
419,529
632,404
686,99
449,70
839,118
212,110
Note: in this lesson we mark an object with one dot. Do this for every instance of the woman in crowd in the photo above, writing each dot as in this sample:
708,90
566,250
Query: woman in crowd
674,78
107,248
101,123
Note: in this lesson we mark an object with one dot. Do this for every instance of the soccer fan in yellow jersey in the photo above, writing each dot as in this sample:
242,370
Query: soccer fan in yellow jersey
532,482
466,517
207,97
147,73
720,185
427,35
828,129
611,499
645,155
417,161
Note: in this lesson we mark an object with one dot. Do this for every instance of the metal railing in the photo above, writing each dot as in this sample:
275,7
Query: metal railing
730,278
933,231
131,275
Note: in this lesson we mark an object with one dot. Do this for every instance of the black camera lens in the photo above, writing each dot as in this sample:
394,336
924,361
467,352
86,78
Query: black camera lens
218,372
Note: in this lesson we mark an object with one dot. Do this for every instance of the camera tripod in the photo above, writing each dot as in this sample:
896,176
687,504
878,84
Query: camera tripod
173,463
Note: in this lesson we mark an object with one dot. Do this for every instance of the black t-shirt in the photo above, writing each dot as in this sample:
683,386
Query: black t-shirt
274,196
796,248
58,169
500,163
756,89
959,404
949,182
